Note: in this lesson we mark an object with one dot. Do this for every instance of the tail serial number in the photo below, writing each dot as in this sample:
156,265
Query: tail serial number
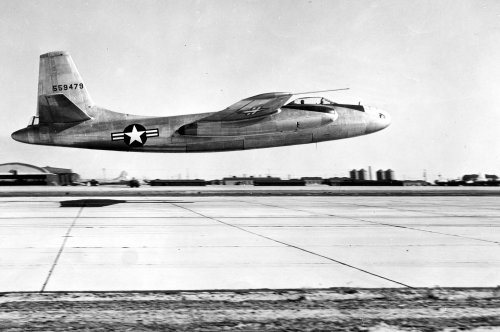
64,87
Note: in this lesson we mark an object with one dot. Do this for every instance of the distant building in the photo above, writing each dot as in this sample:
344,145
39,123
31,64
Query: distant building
65,176
25,174
312,180
179,183
362,174
389,175
215,182
479,178
248,181
337,181
278,182
362,177
470,177
238,181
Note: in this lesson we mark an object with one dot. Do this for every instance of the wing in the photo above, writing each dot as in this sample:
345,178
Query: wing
252,107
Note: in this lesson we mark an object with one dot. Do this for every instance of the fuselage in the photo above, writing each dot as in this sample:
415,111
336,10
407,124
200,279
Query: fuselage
67,116
291,124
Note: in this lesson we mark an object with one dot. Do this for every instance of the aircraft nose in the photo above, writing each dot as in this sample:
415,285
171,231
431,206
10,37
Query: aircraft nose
378,119
19,136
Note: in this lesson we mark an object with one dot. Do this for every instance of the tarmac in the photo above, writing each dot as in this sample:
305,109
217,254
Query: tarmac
227,190
141,243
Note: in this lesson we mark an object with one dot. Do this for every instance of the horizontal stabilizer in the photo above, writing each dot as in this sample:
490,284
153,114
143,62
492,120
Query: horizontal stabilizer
57,108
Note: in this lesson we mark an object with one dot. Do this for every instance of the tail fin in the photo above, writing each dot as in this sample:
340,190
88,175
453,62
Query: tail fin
122,177
62,95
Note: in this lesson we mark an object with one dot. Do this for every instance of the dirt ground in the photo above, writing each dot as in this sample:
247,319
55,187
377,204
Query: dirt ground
339,309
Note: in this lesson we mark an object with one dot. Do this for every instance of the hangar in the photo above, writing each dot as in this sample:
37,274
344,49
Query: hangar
18,174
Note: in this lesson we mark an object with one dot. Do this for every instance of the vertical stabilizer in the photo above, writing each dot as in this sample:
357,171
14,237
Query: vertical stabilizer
58,76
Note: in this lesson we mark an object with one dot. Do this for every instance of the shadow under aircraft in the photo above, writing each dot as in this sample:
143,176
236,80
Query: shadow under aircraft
66,116
102,202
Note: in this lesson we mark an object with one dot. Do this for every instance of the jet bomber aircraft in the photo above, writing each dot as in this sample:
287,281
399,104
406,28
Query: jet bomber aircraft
66,116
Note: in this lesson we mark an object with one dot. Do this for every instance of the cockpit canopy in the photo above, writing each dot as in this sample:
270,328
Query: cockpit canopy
34,121
312,101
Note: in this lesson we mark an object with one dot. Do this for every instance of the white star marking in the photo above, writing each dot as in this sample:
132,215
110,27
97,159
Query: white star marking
135,135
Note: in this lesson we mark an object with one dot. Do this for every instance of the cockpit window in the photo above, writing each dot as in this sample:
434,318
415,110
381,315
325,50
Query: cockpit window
315,104
34,120
313,101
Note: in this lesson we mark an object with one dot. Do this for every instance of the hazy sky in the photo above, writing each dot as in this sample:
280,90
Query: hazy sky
434,65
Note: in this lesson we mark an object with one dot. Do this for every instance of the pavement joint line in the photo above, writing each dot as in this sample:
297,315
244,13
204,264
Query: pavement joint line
59,253
411,210
296,247
429,231
424,212
387,224
422,230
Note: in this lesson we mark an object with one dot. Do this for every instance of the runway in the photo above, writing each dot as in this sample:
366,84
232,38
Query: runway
239,242
243,191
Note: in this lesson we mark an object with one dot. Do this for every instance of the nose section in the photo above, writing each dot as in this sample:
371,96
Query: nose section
378,119
384,118
20,136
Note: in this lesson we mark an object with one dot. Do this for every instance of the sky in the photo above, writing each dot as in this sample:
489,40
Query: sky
433,65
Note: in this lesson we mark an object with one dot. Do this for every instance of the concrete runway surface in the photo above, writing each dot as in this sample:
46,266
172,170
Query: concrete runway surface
228,190
191,243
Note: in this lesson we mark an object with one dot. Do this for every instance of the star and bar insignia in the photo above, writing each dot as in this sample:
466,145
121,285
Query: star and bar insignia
253,110
135,135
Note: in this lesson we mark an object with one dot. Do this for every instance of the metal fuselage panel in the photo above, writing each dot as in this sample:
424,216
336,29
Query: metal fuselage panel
287,127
